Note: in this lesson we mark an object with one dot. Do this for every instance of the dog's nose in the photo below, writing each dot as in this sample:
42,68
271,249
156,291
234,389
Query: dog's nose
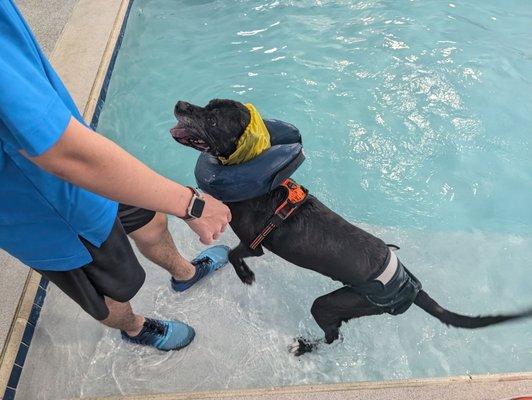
181,107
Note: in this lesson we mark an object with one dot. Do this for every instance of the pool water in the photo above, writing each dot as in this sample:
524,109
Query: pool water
416,122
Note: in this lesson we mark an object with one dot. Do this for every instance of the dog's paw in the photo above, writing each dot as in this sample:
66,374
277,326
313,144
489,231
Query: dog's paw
293,348
301,346
246,275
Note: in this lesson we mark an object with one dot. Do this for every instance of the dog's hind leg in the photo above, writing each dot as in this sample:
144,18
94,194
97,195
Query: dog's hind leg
339,306
331,310
236,258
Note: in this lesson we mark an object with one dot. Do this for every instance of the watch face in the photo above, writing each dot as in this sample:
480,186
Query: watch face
197,208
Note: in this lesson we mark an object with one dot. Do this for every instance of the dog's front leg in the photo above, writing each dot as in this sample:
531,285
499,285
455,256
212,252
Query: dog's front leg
236,258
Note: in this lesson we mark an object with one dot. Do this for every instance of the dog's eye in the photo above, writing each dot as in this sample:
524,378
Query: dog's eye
212,121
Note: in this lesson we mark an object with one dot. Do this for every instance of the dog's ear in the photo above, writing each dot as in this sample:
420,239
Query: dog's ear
215,103
231,105
223,103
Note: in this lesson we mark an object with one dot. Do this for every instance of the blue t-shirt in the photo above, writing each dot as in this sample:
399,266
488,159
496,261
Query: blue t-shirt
41,216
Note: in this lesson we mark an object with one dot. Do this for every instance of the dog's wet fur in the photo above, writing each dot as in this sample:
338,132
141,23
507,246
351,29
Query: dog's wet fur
314,237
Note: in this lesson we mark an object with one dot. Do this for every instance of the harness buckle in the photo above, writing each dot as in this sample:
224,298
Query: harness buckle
296,196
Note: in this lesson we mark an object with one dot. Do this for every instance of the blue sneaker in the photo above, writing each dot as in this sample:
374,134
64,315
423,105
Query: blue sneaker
163,335
206,262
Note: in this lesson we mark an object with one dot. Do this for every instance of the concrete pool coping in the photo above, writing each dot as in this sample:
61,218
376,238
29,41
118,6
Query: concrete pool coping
473,387
83,57
485,387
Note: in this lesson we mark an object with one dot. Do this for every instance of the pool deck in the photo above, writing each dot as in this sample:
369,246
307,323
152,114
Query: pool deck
47,20
79,36
13,275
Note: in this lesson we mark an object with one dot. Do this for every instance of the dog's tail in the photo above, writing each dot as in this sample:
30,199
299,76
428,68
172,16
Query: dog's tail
424,301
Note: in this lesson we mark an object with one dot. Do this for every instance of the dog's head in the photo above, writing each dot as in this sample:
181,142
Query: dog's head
214,129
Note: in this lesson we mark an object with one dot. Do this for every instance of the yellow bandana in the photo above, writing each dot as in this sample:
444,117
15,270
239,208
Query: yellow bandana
253,141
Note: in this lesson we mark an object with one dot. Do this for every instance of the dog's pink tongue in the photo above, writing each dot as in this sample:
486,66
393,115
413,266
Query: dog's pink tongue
178,132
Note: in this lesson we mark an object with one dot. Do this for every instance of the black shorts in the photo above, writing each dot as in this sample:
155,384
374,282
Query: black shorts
114,271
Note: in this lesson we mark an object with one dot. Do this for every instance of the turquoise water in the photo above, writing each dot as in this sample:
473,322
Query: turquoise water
416,122
417,112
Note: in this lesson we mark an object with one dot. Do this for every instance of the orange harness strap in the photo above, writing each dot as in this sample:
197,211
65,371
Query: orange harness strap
296,196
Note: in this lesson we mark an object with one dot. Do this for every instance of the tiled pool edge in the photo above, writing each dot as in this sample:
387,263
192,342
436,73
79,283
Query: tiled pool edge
112,15
20,334
98,93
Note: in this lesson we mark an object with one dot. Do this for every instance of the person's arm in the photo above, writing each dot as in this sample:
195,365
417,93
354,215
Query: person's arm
94,162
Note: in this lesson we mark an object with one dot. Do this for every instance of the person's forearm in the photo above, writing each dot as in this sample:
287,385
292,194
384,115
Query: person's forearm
95,163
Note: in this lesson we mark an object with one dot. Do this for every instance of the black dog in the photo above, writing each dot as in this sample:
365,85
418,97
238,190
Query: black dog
314,237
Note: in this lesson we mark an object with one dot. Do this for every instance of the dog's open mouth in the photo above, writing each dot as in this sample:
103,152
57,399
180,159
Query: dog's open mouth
181,134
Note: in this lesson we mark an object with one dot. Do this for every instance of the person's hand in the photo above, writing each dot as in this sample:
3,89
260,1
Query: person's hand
213,221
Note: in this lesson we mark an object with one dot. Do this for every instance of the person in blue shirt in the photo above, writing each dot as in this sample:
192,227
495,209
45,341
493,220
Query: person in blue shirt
69,197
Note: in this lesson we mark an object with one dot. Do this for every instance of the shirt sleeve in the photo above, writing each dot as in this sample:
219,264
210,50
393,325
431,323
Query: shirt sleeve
30,108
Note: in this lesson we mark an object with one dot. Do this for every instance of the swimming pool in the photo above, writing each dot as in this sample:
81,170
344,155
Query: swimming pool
416,124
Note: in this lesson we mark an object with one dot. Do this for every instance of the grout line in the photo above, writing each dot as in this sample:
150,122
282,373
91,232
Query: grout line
21,333
17,329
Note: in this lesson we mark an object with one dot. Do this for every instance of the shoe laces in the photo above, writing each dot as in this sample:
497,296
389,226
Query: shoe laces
202,261
154,326
202,266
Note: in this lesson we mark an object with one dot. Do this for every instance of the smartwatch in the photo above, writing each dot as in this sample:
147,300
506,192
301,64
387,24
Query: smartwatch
196,205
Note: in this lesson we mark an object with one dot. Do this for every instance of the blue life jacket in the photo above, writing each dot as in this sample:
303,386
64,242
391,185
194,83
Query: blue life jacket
231,183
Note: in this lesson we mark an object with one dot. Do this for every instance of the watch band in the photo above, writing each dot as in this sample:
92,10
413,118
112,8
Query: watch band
196,194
